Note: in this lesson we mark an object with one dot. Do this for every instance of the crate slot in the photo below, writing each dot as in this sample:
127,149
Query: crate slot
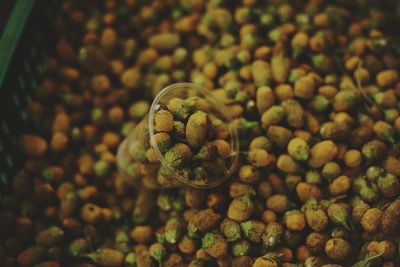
28,98
24,115
16,100
34,84
9,161
3,179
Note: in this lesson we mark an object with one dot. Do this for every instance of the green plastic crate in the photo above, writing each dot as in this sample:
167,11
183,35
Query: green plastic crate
25,41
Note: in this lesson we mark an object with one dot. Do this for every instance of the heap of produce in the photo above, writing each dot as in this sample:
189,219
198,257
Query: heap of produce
312,87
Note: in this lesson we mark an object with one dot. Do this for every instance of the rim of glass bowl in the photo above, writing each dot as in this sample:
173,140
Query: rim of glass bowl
227,117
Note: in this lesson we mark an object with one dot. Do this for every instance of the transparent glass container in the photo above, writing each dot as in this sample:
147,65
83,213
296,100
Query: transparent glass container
133,155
